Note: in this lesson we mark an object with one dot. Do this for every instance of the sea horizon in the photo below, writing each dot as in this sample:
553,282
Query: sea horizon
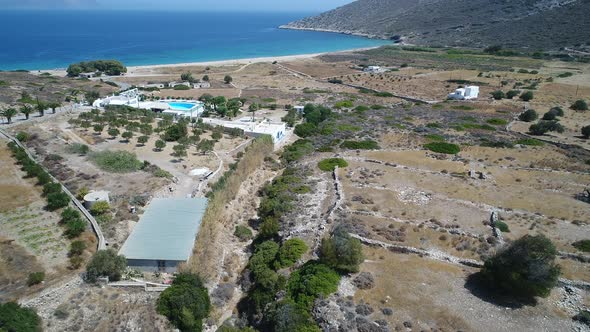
50,40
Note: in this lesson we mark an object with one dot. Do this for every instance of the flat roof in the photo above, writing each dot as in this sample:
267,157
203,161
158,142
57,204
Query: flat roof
167,230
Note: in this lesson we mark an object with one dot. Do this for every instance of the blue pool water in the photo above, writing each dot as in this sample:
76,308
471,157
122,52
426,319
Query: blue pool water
54,39
181,106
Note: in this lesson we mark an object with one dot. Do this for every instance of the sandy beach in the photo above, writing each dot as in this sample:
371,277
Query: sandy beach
134,71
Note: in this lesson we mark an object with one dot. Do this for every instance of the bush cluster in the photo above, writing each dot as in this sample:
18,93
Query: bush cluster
56,198
328,165
543,127
109,67
116,161
524,269
443,147
185,303
529,115
13,317
73,222
106,263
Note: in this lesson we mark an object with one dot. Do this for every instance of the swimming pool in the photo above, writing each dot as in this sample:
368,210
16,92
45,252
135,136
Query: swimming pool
178,106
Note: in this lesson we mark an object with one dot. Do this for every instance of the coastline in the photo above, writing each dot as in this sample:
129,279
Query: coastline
342,32
131,70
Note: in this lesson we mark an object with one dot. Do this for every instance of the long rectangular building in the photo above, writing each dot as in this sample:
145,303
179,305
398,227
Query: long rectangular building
165,234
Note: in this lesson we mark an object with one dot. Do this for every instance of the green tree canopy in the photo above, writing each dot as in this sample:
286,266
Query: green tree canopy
14,318
291,251
106,263
311,281
341,251
186,303
526,268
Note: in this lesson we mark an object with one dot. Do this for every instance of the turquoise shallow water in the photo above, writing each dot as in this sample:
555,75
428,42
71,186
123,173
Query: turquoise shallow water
54,39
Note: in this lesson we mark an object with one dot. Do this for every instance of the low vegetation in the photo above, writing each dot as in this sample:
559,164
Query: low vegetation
582,245
328,165
116,161
15,318
443,147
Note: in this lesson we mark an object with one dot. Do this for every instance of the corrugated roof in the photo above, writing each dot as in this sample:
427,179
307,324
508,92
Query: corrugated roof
167,230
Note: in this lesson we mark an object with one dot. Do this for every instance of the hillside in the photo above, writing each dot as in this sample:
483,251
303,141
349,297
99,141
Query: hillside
537,24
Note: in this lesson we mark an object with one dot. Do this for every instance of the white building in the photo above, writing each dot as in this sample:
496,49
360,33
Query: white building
373,69
125,98
201,85
467,93
299,109
277,130
154,85
87,75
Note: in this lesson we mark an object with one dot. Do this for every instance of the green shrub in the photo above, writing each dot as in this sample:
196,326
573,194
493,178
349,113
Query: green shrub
50,188
99,208
185,303
344,104
106,263
524,269
74,228
582,245
583,317
558,111
35,278
530,142
269,228
512,93
580,105
290,252
360,145
443,147
14,318
463,108
586,131
305,129
116,161
57,200
77,248
434,125
23,136
478,126
543,127
497,122
175,132
549,116
297,150
435,138
313,280
77,148
243,233
498,95
502,226
341,252
528,116
181,87
527,96
328,165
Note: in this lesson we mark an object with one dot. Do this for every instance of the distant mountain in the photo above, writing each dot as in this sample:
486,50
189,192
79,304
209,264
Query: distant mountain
535,24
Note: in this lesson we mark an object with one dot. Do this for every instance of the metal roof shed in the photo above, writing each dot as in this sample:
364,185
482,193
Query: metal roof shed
165,234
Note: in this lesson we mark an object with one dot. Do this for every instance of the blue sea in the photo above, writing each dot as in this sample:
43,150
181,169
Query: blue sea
54,39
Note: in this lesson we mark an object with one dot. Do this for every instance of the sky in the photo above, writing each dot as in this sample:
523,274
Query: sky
205,5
